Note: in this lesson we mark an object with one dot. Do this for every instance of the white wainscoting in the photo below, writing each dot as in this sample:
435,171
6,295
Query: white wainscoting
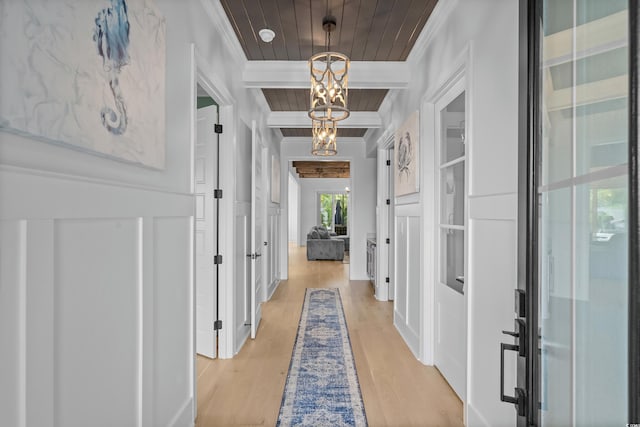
95,302
492,267
242,315
408,261
273,250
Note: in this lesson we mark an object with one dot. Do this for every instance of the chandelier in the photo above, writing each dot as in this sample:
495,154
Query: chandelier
329,93
324,138
329,79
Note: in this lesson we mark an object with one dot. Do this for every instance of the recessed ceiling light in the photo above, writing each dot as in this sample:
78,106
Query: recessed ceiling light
266,35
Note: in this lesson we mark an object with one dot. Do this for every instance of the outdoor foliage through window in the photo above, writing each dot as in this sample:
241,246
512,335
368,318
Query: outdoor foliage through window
333,209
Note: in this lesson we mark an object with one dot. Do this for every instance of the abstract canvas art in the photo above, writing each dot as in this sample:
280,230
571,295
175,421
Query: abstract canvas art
406,157
89,74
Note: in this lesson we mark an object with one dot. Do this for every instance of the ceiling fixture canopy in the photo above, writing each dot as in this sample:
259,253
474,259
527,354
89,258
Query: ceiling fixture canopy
324,138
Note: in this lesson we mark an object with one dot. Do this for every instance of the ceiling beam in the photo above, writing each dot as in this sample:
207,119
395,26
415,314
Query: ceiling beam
320,163
300,119
323,175
295,74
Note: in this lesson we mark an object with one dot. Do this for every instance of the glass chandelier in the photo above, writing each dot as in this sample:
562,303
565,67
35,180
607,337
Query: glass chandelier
324,138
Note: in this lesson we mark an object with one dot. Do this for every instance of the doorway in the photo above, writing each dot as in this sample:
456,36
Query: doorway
575,302
206,225
450,350
324,190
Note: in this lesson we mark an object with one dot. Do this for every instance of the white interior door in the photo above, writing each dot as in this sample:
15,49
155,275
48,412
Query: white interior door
205,231
450,352
391,231
257,229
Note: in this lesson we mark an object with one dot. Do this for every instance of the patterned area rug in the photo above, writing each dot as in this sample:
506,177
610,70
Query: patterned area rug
322,386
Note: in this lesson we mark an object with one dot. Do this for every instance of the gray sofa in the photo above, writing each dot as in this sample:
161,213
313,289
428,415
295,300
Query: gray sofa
323,245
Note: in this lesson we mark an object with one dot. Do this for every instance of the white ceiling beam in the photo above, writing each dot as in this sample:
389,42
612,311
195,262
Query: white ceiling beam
295,74
300,119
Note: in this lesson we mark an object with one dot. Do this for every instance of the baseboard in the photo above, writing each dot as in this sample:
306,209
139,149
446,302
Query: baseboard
184,417
272,288
474,419
410,338
242,335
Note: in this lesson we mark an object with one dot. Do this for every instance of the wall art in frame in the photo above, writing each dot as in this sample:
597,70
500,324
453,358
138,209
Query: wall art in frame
275,179
406,157
88,74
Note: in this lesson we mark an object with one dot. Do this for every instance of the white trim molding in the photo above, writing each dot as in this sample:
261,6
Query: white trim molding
300,119
295,74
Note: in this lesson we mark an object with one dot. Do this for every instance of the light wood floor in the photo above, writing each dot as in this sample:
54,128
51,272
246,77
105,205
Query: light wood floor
397,389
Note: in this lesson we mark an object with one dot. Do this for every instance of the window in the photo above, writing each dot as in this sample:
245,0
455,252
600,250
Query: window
452,193
334,211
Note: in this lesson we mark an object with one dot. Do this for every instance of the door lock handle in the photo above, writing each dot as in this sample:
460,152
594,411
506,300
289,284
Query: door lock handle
520,334
513,334
520,398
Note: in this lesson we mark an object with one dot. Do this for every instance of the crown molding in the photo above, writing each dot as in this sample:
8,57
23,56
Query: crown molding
219,19
439,15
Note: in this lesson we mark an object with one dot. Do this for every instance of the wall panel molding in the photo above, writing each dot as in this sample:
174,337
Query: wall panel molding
407,315
42,195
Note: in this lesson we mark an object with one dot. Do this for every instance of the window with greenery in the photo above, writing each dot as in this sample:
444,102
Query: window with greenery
334,210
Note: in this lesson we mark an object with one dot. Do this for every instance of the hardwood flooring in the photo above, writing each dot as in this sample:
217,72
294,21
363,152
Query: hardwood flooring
397,389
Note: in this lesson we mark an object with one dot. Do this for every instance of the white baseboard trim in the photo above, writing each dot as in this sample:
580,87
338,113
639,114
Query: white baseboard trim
184,416
272,288
242,334
410,338
474,419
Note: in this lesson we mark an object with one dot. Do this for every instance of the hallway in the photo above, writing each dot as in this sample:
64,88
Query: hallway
396,388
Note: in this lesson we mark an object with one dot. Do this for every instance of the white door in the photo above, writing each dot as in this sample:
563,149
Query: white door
391,230
257,229
205,231
450,351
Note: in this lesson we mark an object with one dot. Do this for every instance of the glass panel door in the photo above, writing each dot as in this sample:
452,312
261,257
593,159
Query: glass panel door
452,193
583,196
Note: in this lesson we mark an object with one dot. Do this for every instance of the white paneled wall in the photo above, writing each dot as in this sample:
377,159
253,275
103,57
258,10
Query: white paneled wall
95,296
242,285
492,242
273,250
408,293
456,30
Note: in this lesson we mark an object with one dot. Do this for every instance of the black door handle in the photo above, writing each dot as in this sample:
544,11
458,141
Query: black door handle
519,398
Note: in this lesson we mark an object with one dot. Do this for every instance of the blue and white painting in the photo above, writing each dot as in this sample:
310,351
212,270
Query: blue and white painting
89,74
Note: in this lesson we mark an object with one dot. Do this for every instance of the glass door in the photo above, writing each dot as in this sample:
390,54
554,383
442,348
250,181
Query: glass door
583,196
572,305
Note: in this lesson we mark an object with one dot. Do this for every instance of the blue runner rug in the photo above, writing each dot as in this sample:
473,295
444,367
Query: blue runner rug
322,386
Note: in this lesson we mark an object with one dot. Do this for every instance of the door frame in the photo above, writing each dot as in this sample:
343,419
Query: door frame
204,74
528,179
385,252
528,368
634,204
285,165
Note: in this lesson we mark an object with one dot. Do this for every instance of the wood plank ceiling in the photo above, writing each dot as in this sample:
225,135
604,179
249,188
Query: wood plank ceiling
367,30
